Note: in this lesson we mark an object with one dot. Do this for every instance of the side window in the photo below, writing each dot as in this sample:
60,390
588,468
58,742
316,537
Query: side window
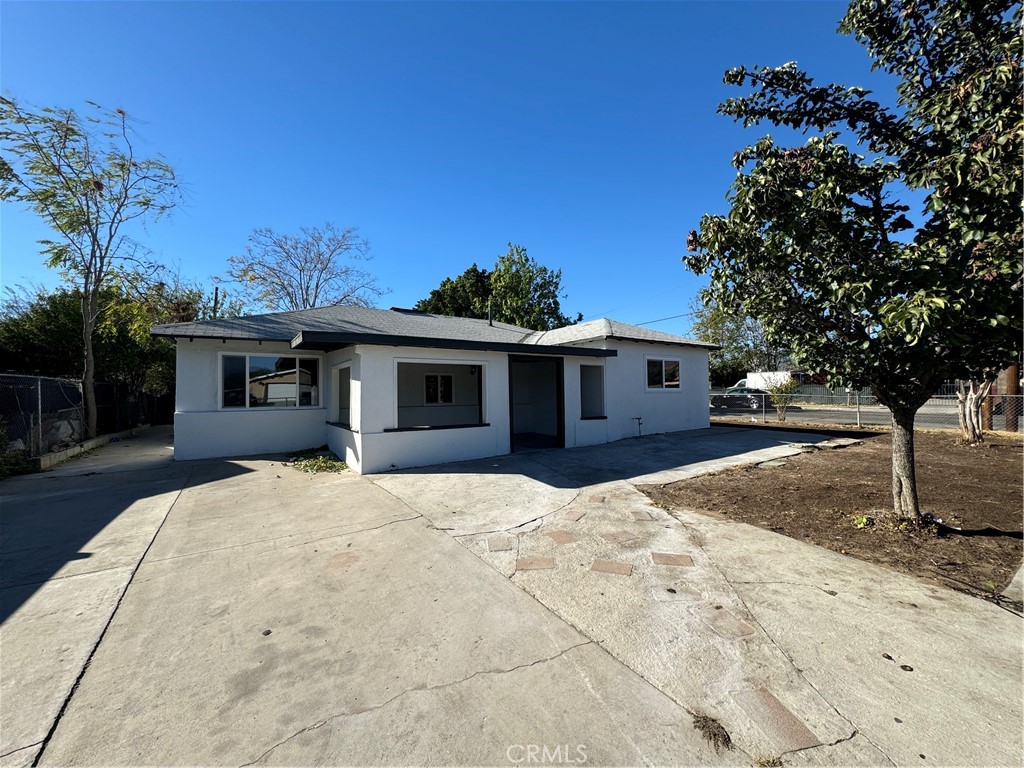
662,373
233,381
591,391
345,396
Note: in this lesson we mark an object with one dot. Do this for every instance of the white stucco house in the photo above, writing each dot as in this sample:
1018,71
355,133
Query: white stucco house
388,389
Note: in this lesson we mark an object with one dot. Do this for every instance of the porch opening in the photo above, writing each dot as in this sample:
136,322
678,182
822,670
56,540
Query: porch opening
536,402
440,395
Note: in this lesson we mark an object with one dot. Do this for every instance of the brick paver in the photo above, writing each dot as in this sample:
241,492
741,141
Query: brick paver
772,716
535,563
612,566
561,537
669,558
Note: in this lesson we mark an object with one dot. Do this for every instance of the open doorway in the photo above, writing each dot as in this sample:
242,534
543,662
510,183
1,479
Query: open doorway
536,402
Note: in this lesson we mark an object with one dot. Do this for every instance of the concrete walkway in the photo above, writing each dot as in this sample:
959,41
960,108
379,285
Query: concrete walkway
70,539
240,612
799,652
283,618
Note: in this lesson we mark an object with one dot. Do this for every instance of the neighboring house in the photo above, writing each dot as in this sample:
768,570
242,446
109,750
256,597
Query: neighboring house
397,388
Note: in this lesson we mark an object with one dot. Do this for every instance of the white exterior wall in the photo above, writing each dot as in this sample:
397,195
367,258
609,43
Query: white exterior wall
664,410
202,429
383,450
345,442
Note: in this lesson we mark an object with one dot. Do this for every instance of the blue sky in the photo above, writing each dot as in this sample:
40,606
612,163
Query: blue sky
584,131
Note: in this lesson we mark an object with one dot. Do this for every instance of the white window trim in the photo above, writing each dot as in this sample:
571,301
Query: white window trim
451,389
481,364
663,359
247,408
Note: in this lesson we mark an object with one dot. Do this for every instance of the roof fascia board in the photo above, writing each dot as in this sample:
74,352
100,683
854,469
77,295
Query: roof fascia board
327,340
690,344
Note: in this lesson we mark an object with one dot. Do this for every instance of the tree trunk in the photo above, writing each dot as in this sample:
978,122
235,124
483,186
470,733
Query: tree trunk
89,369
969,400
904,478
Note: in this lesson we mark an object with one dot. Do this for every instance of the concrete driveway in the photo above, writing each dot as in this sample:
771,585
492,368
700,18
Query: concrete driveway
797,651
485,613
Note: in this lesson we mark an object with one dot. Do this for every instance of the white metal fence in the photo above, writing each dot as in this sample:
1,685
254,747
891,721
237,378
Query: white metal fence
860,409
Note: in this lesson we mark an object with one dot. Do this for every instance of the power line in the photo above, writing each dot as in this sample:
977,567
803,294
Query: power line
662,320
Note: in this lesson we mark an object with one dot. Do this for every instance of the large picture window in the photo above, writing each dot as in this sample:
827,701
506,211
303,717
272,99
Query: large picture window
662,373
267,381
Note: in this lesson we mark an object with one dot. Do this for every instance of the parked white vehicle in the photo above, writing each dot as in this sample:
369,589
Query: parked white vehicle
765,379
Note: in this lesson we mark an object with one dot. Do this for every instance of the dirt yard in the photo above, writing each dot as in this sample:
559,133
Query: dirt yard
820,496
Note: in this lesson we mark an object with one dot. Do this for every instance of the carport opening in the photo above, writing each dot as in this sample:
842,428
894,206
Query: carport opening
536,403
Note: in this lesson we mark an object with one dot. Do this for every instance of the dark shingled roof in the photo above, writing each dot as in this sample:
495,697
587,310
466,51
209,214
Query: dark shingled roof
284,326
327,327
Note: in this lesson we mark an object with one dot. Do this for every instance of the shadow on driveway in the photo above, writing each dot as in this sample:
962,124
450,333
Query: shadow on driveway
48,520
629,459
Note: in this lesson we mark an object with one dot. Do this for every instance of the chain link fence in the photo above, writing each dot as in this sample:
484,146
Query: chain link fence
859,409
39,415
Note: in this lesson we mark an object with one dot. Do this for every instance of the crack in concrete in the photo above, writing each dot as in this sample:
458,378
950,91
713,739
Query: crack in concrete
831,744
21,749
321,723
515,528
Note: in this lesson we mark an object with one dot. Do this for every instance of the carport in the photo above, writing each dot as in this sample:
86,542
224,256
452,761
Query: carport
536,394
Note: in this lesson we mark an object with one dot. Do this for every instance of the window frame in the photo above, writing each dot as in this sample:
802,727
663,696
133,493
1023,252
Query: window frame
663,359
451,389
246,407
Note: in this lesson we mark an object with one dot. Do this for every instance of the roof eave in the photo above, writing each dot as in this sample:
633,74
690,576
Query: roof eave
329,340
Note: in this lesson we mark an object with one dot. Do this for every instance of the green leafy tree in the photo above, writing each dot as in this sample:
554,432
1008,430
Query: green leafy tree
817,245
318,267
744,345
41,332
465,296
518,291
526,294
81,174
